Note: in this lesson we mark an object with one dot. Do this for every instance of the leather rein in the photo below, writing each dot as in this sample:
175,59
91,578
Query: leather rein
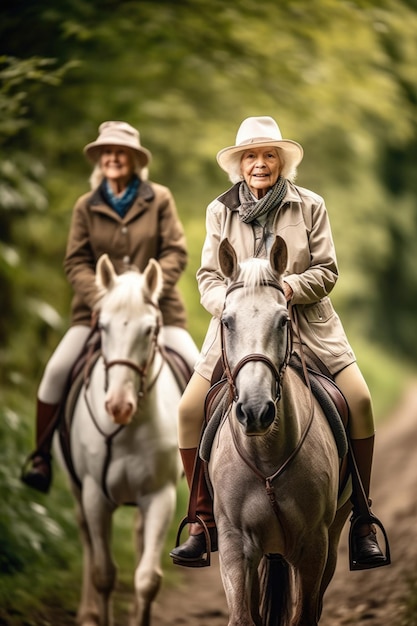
143,389
279,375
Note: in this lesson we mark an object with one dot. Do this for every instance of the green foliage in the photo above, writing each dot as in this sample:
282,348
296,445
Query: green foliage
38,542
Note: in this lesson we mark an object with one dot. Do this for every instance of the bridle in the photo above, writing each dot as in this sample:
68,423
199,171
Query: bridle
277,372
143,389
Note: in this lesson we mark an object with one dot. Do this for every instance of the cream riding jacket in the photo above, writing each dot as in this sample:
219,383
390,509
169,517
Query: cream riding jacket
303,222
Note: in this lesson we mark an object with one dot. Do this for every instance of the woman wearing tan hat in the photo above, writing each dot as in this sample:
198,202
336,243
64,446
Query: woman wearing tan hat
132,220
264,202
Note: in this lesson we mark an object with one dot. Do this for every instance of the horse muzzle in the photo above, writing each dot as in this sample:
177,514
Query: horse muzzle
121,412
256,420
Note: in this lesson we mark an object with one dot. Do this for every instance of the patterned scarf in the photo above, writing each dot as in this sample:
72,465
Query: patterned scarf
121,204
250,208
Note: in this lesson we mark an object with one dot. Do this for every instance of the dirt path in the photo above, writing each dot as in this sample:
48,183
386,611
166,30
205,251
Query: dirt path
371,598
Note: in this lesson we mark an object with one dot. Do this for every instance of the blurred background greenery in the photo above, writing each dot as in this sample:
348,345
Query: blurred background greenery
339,76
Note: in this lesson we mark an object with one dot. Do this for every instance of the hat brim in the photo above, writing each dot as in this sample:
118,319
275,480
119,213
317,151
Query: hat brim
94,149
293,152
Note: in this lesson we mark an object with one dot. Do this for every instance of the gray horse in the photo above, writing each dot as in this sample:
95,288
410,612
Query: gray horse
274,464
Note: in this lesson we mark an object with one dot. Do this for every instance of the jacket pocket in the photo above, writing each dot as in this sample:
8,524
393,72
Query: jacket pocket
323,329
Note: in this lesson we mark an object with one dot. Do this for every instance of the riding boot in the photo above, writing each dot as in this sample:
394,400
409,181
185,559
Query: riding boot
39,476
368,554
190,553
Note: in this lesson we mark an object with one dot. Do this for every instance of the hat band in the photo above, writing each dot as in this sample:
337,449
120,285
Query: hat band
247,142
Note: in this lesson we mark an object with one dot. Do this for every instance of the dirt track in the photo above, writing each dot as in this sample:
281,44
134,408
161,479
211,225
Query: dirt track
372,597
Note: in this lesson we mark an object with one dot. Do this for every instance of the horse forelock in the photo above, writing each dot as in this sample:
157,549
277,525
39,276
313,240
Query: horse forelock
127,294
255,272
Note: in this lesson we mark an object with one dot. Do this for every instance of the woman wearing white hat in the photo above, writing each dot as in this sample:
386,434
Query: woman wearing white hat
132,220
264,202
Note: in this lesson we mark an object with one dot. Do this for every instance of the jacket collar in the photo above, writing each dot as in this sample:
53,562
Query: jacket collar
230,198
145,195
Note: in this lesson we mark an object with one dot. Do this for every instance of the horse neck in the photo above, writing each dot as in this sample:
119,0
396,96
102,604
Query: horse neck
293,408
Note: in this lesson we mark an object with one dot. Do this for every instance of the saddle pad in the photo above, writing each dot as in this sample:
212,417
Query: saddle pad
326,402
218,402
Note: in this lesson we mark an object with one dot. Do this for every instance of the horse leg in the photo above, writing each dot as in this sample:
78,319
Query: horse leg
310,569
334,537
238,569
98,515
158,511
87,614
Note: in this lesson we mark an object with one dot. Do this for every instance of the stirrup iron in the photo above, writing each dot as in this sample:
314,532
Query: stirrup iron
368,518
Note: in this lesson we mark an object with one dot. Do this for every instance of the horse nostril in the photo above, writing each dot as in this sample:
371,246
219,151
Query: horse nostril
240,413
268,415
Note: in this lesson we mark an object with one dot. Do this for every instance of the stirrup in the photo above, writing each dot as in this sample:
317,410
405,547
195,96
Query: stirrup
354,523
33,478
202,562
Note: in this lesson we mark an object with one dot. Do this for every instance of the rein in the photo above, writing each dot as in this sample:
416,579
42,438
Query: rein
142,391
279,375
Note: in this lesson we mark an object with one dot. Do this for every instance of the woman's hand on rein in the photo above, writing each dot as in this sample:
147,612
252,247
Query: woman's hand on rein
288,292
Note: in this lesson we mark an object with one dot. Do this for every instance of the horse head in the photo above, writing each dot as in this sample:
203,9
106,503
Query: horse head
255,333
129,321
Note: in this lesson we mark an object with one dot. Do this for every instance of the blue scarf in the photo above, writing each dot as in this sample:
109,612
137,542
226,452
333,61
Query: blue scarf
121,204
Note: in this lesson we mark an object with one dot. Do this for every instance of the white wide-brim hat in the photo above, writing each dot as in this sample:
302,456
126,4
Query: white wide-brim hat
257,132
117,134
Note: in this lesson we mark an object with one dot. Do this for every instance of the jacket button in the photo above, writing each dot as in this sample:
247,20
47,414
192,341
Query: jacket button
124,230
126,260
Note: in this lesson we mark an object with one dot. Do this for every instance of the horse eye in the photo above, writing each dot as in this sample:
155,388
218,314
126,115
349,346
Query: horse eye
226,321
283,321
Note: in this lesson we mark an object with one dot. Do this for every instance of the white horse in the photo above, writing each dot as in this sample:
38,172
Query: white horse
123,441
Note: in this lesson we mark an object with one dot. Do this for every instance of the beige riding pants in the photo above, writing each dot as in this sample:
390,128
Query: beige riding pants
60,364
349,380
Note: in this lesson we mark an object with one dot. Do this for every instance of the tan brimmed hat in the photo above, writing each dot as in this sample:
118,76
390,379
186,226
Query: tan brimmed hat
256,132
117,134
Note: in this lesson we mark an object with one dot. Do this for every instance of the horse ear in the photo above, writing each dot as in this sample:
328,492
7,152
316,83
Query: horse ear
105,274
227,259
279,255
153,280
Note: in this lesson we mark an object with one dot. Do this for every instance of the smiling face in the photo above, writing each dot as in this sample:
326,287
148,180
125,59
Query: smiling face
260,168
117,164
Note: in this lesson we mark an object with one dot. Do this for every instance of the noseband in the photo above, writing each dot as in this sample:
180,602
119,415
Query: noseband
278,373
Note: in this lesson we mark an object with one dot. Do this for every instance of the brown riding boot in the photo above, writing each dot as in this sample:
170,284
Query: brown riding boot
367,553
191,552
39,476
